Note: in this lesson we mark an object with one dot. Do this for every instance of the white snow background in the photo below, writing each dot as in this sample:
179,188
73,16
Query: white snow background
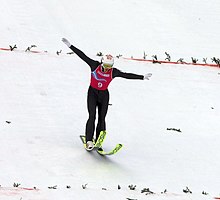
43,100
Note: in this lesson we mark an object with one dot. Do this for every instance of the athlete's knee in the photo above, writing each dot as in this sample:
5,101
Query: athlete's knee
92,117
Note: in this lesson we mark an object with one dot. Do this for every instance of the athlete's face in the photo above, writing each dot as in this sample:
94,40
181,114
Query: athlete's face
106,67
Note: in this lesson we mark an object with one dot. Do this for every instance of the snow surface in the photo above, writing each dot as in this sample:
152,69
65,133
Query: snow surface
43,100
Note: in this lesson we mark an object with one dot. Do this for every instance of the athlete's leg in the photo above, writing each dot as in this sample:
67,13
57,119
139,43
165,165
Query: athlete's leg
102,111
91,105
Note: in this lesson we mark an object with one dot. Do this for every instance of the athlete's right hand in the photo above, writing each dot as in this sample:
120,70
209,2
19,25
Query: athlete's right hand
66,42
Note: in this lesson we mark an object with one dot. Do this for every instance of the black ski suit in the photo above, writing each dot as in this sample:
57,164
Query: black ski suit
99,98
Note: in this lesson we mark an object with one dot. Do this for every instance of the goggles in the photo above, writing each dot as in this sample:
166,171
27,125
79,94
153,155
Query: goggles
106,66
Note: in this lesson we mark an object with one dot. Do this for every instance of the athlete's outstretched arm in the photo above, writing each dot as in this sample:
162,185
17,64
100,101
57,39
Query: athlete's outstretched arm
92,63
118,73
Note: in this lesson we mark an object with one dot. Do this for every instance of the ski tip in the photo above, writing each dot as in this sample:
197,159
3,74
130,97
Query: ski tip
103,132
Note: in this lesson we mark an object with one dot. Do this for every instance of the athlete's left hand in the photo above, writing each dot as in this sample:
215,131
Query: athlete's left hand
147,76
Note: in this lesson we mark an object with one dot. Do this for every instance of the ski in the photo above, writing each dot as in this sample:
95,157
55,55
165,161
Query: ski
111,152
99,141
98,145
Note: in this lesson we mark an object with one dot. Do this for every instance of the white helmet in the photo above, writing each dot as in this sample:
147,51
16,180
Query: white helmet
108,60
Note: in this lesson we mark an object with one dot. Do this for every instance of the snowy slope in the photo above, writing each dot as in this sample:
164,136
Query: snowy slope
43,100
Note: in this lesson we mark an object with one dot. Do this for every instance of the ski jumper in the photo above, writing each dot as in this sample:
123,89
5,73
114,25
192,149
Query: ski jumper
98,94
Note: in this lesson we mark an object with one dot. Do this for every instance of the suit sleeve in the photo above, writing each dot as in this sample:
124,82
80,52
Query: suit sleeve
92,63
118,73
